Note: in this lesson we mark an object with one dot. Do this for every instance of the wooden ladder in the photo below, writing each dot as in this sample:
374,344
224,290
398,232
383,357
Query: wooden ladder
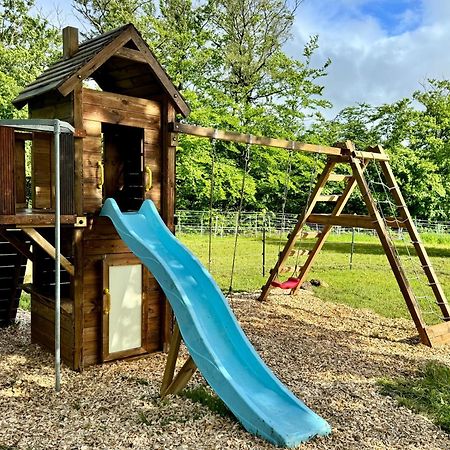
14,251
429,335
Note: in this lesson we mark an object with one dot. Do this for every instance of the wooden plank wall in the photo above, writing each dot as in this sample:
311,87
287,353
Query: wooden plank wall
21,189
118,109
42,164
7,181
42,302
100,240
67,149
51,106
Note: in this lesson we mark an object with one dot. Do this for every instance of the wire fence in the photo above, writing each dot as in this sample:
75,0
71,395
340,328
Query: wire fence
254,223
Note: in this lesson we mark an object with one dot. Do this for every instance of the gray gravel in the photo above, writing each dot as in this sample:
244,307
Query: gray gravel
329,355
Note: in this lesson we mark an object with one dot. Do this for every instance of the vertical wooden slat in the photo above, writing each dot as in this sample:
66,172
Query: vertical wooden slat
167,202
67,174
77,282
20,173
7,181
389,249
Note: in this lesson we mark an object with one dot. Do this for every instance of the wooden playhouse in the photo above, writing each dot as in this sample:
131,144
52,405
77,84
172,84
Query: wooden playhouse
119,100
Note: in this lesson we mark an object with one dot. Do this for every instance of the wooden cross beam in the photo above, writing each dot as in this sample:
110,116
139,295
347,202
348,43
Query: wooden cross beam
232,136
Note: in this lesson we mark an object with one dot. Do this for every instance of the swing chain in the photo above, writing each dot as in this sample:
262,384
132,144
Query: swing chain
239,213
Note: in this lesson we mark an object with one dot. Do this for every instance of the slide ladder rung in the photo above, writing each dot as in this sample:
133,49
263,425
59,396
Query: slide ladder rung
338,177
286,269
299,252
310,234
333,198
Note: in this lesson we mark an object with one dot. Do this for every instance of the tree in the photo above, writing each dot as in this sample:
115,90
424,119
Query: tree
28,43
227,57
416,138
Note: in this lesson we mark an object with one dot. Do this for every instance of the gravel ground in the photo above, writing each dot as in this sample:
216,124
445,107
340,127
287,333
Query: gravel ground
329,355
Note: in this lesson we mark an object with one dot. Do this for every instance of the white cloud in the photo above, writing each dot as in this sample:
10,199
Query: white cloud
369,63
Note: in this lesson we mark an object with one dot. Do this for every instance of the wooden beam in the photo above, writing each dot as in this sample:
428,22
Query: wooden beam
130,54
35,220
338,177
182,378
343,220
295,234
98,60
232,136
339,207
391,254
328,198
170,384
48,248
172,356
352,221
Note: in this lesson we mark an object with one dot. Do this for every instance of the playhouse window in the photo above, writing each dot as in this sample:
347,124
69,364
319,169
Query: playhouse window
123,165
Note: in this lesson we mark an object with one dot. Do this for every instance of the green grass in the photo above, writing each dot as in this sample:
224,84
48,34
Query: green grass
428,394
205,397
369,284
25,301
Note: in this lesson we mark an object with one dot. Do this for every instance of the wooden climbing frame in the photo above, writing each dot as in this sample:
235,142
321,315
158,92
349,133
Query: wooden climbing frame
357,161
429,335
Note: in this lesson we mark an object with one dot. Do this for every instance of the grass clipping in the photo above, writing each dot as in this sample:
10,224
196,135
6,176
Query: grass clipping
428,394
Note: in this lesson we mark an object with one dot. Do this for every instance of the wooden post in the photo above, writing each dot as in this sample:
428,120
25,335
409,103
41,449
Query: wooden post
70,42
340,205
389,249
78,234
414,235
294,235
7,179
167,200
170,384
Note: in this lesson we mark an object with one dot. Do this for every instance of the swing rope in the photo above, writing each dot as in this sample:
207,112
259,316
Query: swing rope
312,179
239,213
292,281
211,195
287,179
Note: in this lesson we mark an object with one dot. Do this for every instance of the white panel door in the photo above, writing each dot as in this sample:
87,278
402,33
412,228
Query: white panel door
125,314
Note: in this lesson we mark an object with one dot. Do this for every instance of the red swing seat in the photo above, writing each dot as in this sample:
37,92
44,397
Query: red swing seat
290,283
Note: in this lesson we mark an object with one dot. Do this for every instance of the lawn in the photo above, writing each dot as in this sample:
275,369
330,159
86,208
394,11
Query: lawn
368,284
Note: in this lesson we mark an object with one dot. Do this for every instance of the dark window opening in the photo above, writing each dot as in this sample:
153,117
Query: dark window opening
123,165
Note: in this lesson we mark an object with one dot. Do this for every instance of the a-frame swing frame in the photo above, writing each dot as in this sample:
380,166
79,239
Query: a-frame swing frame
429,335
357,160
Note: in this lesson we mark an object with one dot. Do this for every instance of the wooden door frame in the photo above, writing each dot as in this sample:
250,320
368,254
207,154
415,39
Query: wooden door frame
122,260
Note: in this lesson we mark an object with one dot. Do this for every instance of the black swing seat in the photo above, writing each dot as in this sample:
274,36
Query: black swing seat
290,283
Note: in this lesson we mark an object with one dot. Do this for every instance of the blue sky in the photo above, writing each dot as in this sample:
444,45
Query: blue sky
381,50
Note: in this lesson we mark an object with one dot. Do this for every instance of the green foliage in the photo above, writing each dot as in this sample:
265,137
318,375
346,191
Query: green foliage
227,58
204,396
428,393
27,44
416,138
25,301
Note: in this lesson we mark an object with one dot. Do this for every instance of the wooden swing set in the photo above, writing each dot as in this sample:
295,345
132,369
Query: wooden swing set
345,154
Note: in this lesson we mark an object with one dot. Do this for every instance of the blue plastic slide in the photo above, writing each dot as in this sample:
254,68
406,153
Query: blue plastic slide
216,342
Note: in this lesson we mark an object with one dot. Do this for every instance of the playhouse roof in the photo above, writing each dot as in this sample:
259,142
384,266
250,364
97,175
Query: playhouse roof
119,61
